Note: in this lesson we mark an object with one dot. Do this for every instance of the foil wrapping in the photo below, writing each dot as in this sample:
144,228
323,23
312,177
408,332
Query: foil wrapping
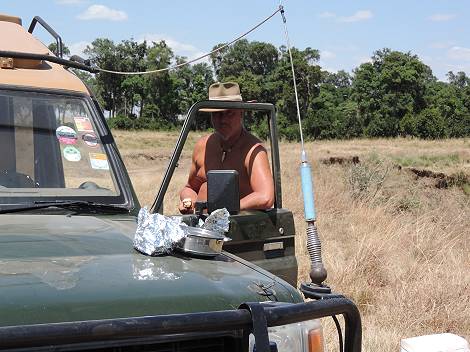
157,234
218,221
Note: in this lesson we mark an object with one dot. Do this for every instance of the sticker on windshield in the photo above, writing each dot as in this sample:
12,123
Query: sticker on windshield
71,154
83,124
99,161
66,135
90,140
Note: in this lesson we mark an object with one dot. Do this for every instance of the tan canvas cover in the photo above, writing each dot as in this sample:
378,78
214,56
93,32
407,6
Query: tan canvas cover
8,18
31,73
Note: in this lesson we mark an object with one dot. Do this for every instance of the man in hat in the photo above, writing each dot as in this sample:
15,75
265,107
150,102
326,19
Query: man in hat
230,147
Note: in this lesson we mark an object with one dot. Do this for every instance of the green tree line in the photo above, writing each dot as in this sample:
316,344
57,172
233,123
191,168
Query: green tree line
395,94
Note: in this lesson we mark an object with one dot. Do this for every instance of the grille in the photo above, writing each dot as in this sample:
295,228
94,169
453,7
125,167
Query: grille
212,344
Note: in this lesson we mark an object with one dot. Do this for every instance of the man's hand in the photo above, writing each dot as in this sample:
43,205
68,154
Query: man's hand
189,193
186,206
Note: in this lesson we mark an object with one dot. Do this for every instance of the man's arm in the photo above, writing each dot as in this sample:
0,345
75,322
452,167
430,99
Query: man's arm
261,180
191,189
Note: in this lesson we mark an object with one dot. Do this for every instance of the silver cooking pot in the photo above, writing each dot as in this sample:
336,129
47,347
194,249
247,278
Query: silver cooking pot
201,242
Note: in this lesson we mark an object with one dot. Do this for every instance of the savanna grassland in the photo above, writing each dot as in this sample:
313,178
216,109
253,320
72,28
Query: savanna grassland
395,224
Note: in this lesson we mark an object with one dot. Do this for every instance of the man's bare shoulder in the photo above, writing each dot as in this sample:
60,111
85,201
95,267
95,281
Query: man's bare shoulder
208,142
201,143
252,141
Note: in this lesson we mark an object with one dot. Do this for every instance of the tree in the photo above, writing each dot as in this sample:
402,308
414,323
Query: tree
332,114
191,83
257,57
459,80
53,47
133,59
340,79
387,89
264,74
430,124
104,53
280,83
449,101
249,64
161,86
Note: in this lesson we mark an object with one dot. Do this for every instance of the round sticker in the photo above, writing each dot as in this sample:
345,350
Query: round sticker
90,139
66,135
72,154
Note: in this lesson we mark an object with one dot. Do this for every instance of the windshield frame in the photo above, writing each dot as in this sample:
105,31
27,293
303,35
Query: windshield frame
126,197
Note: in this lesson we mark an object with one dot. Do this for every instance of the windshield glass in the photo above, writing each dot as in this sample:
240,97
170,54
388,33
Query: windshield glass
50,147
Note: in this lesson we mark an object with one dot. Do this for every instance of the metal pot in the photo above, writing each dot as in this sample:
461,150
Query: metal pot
201,242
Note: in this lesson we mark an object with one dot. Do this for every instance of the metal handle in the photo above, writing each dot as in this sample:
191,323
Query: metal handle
36,19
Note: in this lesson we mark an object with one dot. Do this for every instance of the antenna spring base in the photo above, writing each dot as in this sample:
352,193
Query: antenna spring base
318,272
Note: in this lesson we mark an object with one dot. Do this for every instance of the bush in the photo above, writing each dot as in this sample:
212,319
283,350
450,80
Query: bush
142,123
286,132
121,122
260,129
409,125
366,178
431,124
287,129
381,125
290,133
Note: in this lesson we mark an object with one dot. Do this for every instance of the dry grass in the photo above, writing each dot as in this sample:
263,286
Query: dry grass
401,251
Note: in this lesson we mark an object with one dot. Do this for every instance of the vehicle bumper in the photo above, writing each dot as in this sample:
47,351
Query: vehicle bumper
249,318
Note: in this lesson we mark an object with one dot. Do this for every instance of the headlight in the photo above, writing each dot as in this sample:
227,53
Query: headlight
306,336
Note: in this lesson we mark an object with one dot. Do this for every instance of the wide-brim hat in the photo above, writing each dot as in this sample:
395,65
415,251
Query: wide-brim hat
227,91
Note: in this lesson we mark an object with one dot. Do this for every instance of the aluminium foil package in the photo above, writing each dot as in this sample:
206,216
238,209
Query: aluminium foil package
218,221
158,234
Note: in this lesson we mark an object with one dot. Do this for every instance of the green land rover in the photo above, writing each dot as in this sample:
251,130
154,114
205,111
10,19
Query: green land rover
70,279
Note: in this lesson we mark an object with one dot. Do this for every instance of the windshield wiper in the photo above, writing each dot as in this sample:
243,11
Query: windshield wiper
77,205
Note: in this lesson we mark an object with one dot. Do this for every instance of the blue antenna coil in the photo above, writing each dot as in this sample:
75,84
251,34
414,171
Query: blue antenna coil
307,191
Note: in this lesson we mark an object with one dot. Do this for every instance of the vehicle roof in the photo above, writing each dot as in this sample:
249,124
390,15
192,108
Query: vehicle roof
32,73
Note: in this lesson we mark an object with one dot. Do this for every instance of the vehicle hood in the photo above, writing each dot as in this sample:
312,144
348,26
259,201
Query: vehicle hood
56,268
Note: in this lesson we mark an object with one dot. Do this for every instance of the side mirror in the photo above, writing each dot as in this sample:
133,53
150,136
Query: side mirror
223,190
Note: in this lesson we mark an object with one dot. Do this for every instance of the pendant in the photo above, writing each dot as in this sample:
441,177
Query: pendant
224,154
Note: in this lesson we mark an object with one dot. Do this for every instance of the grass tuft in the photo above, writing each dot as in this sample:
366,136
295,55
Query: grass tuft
428,160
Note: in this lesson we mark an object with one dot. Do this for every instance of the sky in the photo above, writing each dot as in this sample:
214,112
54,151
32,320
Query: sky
346,32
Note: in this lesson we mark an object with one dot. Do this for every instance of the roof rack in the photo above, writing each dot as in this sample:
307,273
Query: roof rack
60,49
74,62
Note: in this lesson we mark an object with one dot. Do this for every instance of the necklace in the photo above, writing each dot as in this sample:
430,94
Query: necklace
225,151
224,154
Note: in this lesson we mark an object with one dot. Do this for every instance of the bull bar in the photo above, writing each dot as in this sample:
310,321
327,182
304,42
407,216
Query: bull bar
247,319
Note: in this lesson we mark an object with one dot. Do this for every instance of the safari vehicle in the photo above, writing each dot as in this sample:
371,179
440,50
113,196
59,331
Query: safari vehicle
70,279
